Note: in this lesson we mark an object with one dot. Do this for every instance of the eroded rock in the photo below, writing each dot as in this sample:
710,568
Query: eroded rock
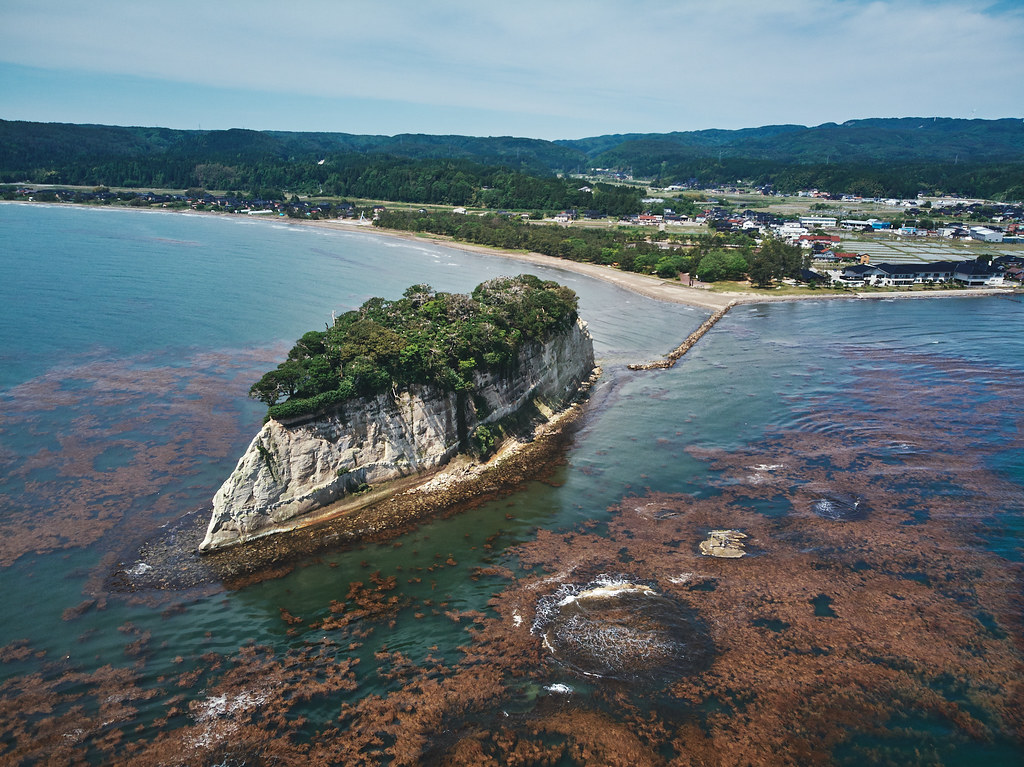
292,470
726,544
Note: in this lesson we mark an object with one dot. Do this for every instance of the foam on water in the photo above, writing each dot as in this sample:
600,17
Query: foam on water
620,628
608,590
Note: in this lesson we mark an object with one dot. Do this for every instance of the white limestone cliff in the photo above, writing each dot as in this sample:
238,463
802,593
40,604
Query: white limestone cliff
293,469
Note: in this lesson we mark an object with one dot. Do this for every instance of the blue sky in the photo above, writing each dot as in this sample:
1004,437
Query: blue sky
538,69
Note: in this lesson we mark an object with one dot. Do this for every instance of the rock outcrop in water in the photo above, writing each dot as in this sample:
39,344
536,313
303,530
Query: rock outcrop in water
620,628
724,544
295,468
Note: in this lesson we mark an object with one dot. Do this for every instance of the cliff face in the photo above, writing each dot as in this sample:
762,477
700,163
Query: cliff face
293,469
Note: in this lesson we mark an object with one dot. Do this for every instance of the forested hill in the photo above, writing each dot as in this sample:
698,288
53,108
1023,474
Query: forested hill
27,145
908,139
872,157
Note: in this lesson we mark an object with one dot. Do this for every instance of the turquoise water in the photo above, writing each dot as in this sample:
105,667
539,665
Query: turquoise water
116,284
128,341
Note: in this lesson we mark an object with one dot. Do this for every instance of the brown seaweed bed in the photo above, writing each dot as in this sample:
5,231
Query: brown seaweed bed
884,631
90,416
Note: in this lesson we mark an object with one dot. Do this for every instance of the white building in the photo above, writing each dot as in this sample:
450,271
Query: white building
985,234
818,222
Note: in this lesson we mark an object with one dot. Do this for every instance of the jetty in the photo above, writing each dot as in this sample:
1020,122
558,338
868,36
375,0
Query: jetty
673,356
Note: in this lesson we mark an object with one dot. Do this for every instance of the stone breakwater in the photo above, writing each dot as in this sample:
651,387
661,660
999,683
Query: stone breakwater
673,356
304,471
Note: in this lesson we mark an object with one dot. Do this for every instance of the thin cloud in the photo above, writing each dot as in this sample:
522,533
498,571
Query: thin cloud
642,66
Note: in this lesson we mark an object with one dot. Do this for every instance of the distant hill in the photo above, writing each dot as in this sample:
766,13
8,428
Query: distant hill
908,139
27,145
889,156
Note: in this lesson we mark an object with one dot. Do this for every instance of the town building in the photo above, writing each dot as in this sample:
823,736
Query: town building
967,273
818,222
985,234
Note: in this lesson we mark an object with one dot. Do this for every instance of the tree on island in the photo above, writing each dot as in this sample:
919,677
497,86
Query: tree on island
425,337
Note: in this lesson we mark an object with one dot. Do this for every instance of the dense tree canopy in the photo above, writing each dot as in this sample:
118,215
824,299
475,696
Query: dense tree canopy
887,157
775,260
722,265
424,337
630,248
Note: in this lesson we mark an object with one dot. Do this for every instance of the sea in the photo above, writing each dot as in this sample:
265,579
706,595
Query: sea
863,458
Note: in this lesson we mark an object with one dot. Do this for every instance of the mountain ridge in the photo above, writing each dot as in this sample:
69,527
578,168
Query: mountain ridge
865,140
874,156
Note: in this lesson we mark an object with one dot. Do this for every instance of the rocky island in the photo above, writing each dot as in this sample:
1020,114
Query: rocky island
393,391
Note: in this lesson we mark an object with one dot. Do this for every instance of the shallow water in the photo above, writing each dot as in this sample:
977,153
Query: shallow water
127,343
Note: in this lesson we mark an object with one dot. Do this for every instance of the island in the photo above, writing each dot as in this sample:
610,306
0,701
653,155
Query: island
394,391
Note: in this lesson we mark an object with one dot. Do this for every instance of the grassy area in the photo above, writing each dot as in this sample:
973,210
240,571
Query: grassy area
744,286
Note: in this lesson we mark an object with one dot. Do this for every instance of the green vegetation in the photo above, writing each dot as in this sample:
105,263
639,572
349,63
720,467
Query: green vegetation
872,158
634,249
500,173
425,337
711,257
464,183
775,260
483,441
880,157
721,265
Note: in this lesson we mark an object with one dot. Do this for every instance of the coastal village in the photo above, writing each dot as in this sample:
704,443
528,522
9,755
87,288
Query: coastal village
838,265
832,242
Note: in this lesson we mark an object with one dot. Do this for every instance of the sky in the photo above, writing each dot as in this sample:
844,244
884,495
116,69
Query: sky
549,69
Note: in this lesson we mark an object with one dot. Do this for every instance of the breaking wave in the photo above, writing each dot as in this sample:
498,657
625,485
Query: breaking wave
620,628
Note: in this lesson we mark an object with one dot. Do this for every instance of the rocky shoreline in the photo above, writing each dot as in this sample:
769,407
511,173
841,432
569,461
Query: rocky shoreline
172,561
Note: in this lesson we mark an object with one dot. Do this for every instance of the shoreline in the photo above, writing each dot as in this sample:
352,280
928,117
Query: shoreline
645,285
396,507
433,496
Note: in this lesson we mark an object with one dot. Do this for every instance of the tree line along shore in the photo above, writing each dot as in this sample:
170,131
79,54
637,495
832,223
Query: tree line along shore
654,262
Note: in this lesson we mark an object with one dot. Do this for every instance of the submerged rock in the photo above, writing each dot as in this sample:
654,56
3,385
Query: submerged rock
618,628
727,544
840,507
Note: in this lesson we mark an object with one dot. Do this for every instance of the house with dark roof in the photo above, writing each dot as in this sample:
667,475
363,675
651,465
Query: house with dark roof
860,274
977,274
916,274
1007,261
898,275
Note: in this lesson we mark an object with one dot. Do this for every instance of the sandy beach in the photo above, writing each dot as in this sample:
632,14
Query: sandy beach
642,284
651,286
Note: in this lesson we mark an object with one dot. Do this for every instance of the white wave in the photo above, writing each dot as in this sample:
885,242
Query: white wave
140,568
217,706
608,591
